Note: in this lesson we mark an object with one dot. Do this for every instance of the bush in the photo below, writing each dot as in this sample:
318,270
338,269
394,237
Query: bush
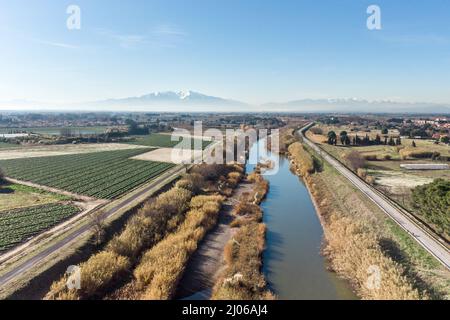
418,153
432,201
370,157
302,159
193,182
99,272
355,160
362,173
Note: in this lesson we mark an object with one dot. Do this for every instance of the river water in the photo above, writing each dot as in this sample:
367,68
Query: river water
292,262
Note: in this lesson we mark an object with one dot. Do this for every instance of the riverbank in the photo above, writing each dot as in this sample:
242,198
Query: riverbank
364,247
242,277
207,263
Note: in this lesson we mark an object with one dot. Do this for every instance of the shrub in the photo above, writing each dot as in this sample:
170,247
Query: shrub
302,159
99,272
193,182
362,173
432,201
417,153
355,160
370,157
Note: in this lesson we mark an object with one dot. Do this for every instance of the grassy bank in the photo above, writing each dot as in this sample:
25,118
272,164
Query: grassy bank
364,246
242,278
172,216
161,268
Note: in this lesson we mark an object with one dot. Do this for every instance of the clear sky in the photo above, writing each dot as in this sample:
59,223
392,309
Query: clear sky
251,50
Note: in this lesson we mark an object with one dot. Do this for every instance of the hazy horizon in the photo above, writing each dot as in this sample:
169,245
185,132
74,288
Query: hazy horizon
256,52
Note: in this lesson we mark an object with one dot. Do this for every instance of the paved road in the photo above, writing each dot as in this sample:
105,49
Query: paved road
431,244
33,261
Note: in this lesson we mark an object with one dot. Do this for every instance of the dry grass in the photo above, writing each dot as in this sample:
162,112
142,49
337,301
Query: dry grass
353,247
97,273
152,222
242,278
161,267
302,160
416,153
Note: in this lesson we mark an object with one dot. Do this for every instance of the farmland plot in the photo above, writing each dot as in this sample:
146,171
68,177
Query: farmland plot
164,141
16,226
104,175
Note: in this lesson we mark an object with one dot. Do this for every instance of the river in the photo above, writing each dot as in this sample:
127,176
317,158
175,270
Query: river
292,262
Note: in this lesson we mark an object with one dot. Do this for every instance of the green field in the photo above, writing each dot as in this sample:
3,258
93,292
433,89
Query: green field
14,196
16,226
104,175
164,141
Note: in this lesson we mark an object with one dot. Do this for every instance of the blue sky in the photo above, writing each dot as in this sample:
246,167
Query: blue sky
251,50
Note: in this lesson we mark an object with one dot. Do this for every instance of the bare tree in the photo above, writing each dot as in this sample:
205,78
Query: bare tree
98,226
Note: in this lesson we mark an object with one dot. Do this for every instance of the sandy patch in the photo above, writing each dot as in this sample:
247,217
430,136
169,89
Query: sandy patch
399,180
169,155
59,150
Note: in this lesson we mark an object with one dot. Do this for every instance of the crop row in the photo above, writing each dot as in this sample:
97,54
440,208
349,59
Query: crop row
18,225
101,174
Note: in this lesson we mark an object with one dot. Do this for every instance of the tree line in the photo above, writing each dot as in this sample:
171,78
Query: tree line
356,140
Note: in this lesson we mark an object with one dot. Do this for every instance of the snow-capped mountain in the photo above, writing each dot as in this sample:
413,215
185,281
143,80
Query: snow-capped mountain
171,101
356,105
191,101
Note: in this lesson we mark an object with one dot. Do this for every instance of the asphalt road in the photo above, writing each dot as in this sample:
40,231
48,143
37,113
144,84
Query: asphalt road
431,244
35,260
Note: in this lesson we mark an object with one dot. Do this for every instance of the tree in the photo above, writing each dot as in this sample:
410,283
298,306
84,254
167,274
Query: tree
378,140
384,131
343,136
347,141
398,141
366,140
445,139
332,137
391,141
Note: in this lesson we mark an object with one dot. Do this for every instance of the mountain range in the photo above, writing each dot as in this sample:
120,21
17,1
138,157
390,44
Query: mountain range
191,101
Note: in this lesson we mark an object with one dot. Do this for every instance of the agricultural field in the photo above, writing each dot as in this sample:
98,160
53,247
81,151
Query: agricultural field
65,149
104,175
15,196
164,141
381,164
56,131
16,226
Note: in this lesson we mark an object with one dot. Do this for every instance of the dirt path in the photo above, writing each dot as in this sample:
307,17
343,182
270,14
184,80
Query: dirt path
207,262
